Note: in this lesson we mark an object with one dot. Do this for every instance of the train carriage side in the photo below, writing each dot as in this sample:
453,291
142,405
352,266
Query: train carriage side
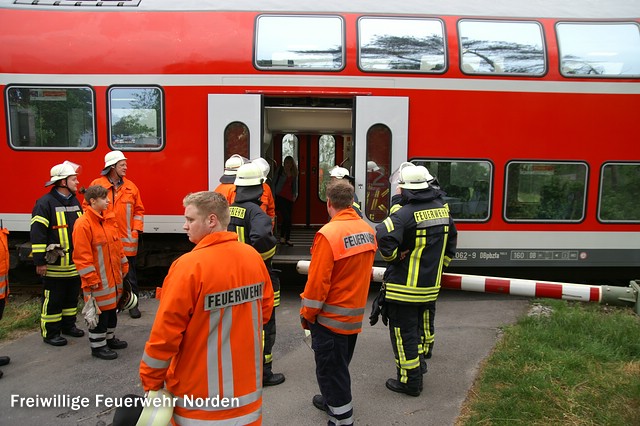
540,164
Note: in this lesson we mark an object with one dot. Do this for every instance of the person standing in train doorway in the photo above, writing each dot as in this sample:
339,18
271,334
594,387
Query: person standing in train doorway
253,226
417,240
52,221
126,204
285,186
334,299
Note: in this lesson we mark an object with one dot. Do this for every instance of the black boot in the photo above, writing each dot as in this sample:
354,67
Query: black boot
4,360
104,353
396,386
273,379
319,402
116,343
55,340
73,332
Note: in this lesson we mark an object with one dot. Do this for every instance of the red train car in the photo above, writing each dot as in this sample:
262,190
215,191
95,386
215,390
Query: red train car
525,111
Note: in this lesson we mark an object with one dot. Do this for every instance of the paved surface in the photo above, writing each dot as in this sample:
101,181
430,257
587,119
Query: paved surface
467,327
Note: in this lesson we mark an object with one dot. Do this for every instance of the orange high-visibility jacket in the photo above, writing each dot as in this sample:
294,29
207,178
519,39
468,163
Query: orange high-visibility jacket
228,190
99,257
206,340
268,204
339,273
4,263
127,205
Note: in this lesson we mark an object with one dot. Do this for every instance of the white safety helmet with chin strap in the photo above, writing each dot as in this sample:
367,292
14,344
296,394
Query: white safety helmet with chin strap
62,171
249,174
233,163
112,158
264,166
411,176
339,172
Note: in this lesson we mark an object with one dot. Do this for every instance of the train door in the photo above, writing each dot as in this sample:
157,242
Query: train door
235,127
381,138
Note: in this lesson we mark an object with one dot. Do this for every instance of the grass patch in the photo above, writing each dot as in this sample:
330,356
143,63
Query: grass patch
21,314
578,365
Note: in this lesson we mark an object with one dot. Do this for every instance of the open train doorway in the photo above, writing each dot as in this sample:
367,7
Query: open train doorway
366,135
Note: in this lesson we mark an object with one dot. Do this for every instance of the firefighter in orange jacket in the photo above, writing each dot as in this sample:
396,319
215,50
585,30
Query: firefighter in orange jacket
126,204
334,298
206,340
4,279
102,264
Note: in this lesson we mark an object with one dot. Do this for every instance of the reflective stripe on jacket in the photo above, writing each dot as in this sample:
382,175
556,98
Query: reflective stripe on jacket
52,222
206,340
339,274
99,257
4,263
418,240
126,203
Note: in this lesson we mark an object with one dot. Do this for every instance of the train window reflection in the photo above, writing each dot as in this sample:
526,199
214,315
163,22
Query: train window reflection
545,191
58,118
599,50
378,190
396,44
135,118
467,184
326,161
307,42
619,193
236,140
492,47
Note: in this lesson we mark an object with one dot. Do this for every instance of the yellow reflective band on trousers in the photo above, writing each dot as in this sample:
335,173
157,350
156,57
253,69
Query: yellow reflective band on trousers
276,298
44,318
268,254
402,362
441,265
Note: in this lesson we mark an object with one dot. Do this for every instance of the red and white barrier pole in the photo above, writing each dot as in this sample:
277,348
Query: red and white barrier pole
625,296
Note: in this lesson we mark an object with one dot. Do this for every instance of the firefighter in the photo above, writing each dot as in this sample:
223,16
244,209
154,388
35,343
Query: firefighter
4,279
268,201
417,240
206,340
253,227
334,298
231,166
341,173
102,264
126,204
52,222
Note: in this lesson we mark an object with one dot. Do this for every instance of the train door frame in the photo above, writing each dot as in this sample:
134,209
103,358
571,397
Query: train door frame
222,110
390,111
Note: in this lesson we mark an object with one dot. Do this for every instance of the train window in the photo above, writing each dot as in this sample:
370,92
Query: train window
397,44
307,42
545,191
236,140
378,191
136,118
326,160
500,47
599,50
619,193
55,118
467,184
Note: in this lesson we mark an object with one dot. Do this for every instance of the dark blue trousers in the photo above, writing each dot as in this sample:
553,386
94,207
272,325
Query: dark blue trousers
333,353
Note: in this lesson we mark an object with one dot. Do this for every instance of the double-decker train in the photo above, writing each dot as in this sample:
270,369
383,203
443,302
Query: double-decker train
525,111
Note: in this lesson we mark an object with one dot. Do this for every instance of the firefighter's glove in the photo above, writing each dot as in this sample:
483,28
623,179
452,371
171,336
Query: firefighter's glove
378,308
91,312
54,252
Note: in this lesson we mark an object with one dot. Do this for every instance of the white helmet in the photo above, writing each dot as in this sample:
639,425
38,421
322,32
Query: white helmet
249,174
264,166
62,171
158,412
414,177
112,158
372,166
233,163
339,172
